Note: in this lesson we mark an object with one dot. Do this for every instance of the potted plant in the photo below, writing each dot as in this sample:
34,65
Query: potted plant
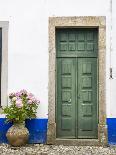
23,105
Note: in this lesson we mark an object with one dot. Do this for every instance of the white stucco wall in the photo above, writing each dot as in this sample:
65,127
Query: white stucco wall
28,43
112,92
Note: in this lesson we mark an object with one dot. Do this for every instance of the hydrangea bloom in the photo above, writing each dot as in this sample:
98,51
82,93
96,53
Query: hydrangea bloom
23,92
19,103
29,102
23,106
17,94
30,95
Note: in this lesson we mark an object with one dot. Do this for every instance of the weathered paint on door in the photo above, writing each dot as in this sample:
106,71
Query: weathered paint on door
76,93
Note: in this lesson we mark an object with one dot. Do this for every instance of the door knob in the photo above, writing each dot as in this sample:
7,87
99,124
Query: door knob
69,101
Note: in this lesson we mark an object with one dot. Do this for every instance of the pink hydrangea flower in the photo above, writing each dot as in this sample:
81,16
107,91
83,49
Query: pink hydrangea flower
23,91
19,103
18,94
30,95
33,99
29,102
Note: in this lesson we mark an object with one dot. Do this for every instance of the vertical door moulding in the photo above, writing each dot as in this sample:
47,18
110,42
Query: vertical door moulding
70,22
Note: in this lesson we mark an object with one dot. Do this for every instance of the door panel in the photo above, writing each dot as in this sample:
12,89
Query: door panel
66,97
87,98
77,42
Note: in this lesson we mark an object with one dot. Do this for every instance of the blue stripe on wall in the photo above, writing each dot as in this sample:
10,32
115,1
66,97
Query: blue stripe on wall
111,122
37,129
3,129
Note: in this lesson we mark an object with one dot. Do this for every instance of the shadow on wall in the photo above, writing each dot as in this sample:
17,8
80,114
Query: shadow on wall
37,129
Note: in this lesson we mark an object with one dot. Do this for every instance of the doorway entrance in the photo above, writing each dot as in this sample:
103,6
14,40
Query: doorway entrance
77,41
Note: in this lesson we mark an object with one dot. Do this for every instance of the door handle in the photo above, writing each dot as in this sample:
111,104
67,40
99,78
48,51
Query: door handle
69,101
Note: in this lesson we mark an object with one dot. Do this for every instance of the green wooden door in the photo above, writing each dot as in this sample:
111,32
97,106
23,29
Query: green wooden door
66,97
87,98
76,86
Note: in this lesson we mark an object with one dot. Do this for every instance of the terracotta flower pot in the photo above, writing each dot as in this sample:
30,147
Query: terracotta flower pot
17,134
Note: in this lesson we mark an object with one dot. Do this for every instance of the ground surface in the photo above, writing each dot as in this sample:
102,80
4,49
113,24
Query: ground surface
41,149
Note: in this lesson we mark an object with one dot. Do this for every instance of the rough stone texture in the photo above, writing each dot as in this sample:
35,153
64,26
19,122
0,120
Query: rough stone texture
85,21
56,150
51,133
77,142
102,134
81,21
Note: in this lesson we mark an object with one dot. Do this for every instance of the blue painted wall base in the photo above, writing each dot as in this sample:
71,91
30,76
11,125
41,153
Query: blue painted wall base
3,129
111,122
37,129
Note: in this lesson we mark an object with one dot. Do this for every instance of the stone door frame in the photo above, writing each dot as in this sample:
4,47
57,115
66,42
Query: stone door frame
77,22
4,25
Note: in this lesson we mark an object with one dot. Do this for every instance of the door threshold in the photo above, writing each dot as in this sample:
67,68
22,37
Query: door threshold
80,142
